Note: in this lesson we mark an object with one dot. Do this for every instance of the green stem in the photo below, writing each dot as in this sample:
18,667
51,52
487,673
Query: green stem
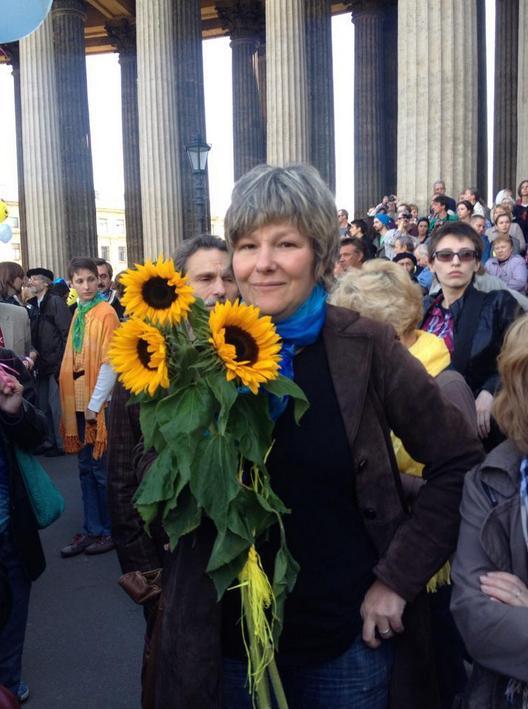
261,688
278,689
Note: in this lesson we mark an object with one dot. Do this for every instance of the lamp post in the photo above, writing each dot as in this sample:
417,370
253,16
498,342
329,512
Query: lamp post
198,152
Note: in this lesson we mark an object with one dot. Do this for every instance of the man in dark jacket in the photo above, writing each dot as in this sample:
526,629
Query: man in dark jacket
21,554
49,332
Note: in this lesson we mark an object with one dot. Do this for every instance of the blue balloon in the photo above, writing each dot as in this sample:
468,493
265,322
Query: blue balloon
6,233
21,17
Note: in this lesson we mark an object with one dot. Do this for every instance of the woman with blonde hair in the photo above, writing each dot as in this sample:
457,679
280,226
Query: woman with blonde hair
491,561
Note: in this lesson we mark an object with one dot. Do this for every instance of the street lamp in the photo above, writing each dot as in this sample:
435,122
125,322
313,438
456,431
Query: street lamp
198,152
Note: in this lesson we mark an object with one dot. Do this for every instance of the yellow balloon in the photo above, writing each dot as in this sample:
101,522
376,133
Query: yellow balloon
72,297
3,211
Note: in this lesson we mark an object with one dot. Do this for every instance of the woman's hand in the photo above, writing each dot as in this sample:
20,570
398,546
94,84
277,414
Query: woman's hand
382,609
11,391
483,404
504,587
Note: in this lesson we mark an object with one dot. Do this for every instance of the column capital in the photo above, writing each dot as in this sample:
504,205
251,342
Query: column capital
369,8
11,51
243,19
69,7
122,35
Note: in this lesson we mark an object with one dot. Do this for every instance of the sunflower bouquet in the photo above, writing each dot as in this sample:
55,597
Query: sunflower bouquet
205,382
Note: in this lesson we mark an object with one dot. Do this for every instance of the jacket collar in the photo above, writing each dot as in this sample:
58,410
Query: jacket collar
349,366
500,470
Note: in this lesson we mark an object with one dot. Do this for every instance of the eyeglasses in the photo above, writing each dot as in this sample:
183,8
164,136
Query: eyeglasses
447,255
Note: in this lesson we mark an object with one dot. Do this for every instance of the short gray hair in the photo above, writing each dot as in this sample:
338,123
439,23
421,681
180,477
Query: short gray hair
296,194
190,246
405,240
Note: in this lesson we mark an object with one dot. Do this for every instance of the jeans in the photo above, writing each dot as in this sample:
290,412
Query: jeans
49,403
92,474
12,635
358,679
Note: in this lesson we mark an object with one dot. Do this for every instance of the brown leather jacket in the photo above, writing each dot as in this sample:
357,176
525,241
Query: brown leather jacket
380,387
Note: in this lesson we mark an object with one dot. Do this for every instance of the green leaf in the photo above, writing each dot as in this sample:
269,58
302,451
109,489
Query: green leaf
283,386
186,411
226,576
184,447
225,393
214,477
147,421
250,424
184,518
157,486
247,517
285,574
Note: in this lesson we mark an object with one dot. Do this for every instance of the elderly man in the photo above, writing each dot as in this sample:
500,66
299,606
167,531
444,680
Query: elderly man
49,332
205,262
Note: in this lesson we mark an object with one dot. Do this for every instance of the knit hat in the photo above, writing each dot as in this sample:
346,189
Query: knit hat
384,219
405,254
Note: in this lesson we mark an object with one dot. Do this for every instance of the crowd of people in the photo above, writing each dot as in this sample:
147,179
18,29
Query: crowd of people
408,337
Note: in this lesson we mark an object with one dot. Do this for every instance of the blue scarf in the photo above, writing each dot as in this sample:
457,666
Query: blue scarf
299,330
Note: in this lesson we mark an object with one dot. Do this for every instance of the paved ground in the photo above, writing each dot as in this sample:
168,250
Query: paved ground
84,638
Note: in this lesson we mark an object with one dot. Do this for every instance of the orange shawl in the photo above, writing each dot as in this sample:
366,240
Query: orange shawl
101,321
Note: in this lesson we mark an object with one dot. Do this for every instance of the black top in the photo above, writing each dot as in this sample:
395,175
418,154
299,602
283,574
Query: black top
312,471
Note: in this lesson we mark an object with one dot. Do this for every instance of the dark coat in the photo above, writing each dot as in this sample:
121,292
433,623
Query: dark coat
491,539
379,387
49,332
137,551
27,430
486,316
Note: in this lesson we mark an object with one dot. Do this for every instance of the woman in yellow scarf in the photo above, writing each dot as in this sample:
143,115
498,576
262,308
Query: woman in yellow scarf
86,381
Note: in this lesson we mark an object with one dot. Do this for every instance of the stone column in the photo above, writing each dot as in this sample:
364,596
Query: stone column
390,93
287,94
320,87
159,147
69,18
46,226
437,131
506,58
482,99
522,95
188,63
122,34
369,118
12,51
245,23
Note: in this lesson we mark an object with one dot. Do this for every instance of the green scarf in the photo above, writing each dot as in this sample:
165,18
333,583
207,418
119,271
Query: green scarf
79,322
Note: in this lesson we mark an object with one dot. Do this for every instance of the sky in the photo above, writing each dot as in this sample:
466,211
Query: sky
105,119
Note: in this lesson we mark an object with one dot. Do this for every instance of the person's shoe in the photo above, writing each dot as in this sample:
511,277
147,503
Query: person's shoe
100,546
79,543
43,449
53,452
23,692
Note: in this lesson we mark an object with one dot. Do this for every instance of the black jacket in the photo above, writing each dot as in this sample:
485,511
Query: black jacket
480,323
26,430
49,332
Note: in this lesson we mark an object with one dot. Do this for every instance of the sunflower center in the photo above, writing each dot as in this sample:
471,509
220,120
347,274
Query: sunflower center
245,346
158,293
143,353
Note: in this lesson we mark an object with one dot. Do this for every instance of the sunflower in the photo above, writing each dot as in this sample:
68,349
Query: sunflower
247,344
156,292
139,355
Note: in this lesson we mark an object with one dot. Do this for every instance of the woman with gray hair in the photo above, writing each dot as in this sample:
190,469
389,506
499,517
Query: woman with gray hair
364,563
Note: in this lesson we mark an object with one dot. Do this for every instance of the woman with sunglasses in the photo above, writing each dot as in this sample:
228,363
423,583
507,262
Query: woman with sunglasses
472,323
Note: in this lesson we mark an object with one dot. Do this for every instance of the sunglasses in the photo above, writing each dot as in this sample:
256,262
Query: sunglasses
447,255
